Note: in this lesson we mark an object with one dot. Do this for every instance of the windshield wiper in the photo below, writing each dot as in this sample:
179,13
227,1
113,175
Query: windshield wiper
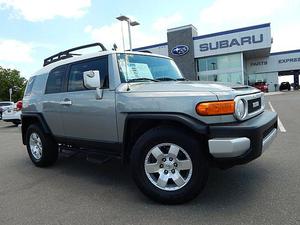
170,79
141,79
165,79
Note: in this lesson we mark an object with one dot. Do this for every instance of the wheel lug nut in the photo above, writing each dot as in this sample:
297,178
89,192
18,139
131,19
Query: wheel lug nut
175,164
164,159
166,172
173,171
161,165
171,159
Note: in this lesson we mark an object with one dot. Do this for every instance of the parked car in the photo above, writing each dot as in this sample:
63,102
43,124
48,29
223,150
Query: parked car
13,114
139,108
263,86
4,106
285,86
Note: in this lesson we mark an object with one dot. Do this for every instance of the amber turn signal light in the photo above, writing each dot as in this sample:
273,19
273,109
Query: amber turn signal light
215,108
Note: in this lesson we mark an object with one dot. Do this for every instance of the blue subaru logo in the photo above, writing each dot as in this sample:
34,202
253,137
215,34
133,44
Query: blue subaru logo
180,50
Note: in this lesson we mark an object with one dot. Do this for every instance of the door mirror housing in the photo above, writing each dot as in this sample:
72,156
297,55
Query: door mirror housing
91,79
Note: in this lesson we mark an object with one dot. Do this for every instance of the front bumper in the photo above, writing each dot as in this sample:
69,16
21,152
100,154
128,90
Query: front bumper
241,142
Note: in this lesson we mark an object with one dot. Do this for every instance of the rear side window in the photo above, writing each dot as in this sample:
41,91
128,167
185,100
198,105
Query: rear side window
75,82
29,86
56,80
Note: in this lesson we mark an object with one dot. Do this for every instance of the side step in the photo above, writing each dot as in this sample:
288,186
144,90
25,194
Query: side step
98,159
89,155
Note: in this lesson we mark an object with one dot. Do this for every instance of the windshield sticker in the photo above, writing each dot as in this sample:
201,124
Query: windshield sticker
136,70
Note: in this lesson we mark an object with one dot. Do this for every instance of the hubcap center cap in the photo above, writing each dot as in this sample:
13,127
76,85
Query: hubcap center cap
169,165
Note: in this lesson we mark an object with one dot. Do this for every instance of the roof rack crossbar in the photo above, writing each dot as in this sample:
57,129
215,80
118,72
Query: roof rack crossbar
67,53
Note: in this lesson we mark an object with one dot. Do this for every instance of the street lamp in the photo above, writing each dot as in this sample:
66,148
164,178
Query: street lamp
11,90
129,23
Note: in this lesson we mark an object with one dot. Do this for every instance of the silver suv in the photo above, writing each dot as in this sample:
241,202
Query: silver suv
138,107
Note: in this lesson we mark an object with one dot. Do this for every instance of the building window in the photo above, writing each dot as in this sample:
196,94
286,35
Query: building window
223,68
220,62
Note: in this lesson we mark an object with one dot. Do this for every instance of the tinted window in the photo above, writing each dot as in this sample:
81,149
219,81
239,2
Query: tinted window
55,80
29,86
76,73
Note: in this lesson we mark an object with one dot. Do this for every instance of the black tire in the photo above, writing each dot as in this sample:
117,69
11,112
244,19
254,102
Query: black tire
184,140
49,147
16,123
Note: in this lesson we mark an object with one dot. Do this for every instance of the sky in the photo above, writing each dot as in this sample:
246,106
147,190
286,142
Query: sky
31,30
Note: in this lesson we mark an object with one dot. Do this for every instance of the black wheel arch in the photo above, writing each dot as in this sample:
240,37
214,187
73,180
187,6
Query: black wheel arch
33,118
138,123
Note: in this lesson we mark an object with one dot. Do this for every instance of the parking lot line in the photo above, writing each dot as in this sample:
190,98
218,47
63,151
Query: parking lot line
280,125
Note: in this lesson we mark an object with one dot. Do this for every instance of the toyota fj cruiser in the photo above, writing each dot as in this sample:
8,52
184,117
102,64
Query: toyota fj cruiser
138,107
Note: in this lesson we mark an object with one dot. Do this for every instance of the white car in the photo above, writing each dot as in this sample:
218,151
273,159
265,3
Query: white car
13,113
4,106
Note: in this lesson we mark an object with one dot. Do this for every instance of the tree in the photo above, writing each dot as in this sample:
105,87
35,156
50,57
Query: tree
11,79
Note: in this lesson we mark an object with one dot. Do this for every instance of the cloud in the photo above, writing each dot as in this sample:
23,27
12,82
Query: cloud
228,12
231,14
110,34
15,51
163,23
155,33
286,37
41,10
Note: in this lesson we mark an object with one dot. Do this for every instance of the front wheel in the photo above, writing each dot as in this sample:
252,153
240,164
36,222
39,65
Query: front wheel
168,165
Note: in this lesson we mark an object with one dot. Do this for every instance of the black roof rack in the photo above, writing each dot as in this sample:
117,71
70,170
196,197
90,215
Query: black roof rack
145,51
67,53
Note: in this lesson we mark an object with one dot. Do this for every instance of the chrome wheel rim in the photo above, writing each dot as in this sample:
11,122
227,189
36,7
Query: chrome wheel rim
36,147
168,166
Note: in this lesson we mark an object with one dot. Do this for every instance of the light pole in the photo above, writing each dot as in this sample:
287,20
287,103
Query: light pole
10,93
129,23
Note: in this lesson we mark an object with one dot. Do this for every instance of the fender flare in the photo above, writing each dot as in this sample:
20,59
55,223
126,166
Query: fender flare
36,116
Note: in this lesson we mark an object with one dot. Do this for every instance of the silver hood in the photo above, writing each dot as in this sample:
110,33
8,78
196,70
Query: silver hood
219,89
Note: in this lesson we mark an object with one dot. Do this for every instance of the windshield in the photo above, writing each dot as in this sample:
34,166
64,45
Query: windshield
135,68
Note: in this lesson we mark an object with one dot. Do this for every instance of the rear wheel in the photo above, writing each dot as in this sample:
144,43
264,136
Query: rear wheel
168,165
42,149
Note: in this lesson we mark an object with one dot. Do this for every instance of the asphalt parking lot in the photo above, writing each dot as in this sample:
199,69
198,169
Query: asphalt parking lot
74,191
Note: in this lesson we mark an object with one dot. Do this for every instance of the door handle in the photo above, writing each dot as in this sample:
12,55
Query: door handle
66,102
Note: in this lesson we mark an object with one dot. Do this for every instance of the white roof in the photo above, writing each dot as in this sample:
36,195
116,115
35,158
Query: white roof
51,66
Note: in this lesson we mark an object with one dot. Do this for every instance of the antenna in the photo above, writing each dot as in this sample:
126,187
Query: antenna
126,63
125,57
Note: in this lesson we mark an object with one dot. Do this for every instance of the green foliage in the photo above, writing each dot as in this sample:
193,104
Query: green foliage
11,79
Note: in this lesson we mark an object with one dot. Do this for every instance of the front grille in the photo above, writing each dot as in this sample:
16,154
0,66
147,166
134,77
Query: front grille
254,105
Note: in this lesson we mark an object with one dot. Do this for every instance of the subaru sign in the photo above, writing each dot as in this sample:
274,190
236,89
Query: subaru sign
180,50
232,42
238,40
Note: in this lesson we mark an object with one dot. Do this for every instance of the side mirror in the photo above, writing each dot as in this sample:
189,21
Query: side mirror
91,79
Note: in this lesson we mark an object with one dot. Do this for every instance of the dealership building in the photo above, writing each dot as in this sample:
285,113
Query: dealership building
238,56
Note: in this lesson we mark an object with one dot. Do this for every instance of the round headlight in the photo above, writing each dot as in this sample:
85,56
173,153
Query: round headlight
240,109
